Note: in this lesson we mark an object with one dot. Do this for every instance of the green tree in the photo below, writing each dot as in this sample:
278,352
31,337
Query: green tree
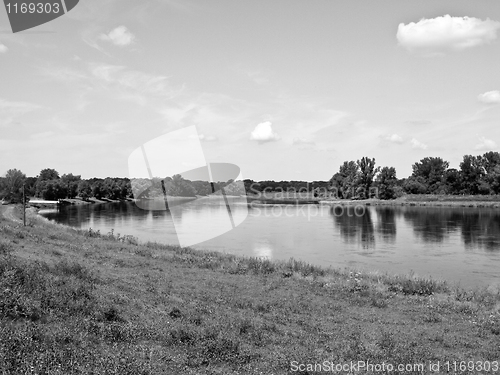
415,185
367,172
177,186
490,180
452,181
490,161
71,182
12,185
386,183
84,190
345,181
431,170
471,172
97,189
52,189
48,174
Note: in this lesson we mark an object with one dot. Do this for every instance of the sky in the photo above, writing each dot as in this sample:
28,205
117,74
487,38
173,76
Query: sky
285,89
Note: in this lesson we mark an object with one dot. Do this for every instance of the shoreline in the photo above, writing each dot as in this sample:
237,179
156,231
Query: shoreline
412,201
35,211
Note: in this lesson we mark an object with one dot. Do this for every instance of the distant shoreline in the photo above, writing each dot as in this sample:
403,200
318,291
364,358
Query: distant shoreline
412,200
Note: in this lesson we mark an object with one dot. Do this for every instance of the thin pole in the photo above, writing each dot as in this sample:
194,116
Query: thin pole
24,207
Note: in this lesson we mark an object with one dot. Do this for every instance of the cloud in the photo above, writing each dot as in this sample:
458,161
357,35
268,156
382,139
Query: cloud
64,74
416,144
490,97
9,110
263,132
119,36
208,138
3,48
437,35
133,85
485,144
394,138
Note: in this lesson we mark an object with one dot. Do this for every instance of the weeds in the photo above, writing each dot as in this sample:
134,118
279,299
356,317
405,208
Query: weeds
416,286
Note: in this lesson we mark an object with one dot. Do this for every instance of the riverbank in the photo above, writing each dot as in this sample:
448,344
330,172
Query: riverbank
492,201
86,302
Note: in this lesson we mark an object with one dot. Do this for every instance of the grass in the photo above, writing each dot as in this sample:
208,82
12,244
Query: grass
451,198
82,302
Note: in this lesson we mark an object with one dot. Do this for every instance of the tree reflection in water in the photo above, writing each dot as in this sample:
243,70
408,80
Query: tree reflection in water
479,228
355,224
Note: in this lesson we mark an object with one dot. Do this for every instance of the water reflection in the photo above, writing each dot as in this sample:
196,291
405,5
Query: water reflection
386,222
431,224
481,229
355,224
478,228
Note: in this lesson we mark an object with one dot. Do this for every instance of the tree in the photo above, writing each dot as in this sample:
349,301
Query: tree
97,189
234,188
343,182
452,181
43,189
415,185
490,161
52,189
177,186
431,170
386,182
30,186
471,171
71,182
490,180
84,190
367,172
48,174
349,178
12,184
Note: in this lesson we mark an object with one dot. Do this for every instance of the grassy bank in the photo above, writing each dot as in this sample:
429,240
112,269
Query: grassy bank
81,302
492,201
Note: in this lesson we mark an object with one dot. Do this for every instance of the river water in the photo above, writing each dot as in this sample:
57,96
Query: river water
460,245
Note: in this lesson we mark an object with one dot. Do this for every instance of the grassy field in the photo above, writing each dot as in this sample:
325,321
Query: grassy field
84,302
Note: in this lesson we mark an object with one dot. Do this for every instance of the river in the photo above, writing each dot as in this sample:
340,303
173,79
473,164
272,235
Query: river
458,244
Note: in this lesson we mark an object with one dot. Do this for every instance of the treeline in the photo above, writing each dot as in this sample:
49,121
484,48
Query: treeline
359,179
49,185
431,175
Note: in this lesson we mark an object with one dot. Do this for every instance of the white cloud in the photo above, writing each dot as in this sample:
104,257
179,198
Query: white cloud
417,144
6,105
263,132
208,138
394,138
9,110
133,84
490,97
119,36
437,35
3,48
106,72
485,144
